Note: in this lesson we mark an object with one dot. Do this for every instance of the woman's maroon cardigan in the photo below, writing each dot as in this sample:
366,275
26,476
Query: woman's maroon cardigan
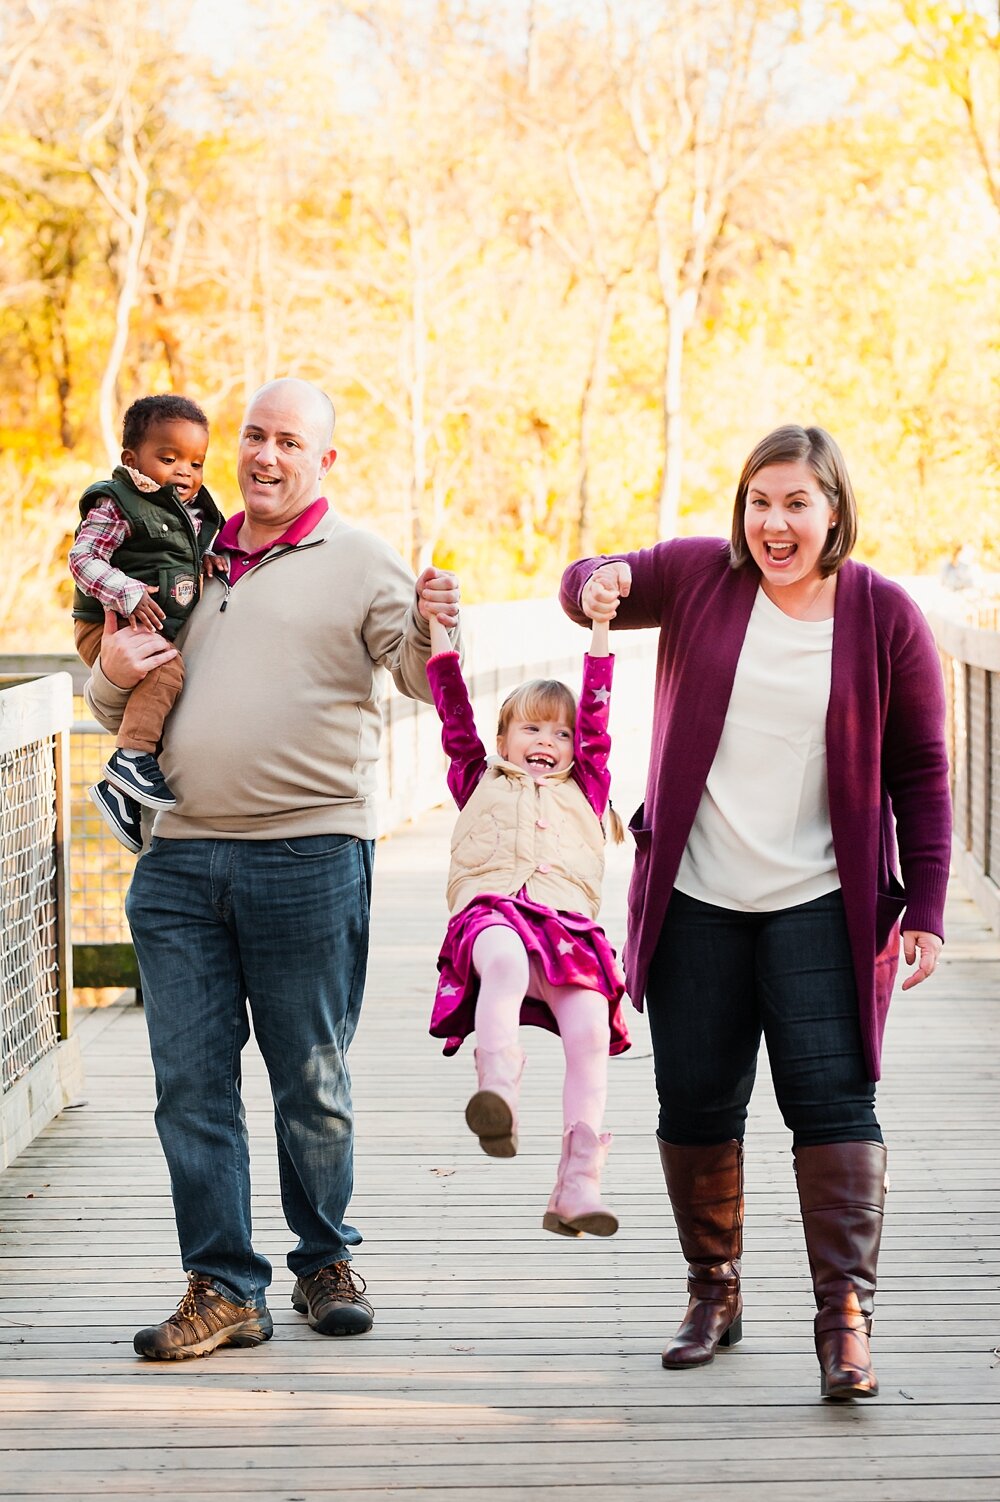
886,759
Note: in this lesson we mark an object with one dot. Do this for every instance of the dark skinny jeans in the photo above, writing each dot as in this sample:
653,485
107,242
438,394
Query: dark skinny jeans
718,981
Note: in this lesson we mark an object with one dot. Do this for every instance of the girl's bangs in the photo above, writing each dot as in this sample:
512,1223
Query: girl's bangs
541,699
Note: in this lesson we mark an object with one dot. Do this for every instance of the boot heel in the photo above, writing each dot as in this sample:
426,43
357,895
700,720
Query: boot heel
492,1120
551,1222
575,1207
492,1111
248,1340
734,1334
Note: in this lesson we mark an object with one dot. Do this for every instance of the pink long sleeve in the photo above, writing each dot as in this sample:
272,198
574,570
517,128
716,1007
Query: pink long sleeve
465,751
593,743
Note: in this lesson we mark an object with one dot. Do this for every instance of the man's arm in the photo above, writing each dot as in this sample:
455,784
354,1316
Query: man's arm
126,657
397,630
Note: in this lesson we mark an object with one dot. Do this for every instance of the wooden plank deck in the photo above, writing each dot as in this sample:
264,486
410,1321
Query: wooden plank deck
507,1364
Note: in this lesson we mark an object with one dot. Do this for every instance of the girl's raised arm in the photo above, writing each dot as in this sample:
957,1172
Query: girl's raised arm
440,640
600,639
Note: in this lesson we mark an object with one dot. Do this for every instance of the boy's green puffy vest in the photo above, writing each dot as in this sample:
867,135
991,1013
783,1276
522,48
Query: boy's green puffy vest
163,550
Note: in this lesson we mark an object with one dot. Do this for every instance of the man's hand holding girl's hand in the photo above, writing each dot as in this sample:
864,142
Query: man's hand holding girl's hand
603,590
438,596
437,601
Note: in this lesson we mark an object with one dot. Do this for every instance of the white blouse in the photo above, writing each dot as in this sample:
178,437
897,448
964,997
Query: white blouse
761,838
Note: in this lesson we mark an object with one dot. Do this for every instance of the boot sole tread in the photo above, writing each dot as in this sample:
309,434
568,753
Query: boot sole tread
489,1115
491,1118
590,1225
233,1336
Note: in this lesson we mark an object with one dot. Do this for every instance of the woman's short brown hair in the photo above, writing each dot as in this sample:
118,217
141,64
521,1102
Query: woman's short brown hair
815,447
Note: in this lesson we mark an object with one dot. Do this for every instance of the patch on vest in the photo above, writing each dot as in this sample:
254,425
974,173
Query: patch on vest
183,590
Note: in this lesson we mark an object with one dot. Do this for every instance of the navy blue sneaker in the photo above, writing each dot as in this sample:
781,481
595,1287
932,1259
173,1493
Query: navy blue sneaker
120,813
138,774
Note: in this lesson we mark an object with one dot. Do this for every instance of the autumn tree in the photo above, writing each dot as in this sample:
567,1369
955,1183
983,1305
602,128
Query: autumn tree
540,255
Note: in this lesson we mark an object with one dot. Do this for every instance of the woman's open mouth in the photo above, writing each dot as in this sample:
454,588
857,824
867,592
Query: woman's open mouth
780,552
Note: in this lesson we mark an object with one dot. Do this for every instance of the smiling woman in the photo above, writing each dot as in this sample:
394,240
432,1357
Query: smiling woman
798,733
795,517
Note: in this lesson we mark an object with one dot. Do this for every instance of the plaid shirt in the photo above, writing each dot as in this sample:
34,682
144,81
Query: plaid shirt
103,530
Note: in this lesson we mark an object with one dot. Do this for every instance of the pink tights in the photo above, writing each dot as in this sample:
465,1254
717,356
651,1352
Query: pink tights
505,973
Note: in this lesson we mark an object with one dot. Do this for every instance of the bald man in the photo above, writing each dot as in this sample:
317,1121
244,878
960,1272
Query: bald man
253,897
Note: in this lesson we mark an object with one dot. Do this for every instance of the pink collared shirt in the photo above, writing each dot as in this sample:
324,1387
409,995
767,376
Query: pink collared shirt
241,562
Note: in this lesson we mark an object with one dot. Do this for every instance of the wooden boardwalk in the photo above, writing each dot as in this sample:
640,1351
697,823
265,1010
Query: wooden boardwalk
505,1363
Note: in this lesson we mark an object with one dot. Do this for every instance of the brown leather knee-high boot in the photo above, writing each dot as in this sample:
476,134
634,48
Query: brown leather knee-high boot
841,1195
705,1185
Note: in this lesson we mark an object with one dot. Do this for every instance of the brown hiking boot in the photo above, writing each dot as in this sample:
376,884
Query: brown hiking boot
332,1301
204,1319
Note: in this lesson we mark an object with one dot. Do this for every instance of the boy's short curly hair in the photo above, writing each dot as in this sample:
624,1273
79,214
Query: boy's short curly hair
149,409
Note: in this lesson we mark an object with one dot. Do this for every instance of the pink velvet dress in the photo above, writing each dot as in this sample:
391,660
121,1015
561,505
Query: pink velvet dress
569,948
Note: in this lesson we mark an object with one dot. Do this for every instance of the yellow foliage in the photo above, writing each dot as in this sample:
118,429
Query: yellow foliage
473,252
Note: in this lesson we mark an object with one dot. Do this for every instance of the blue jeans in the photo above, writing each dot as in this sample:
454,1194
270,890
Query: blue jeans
281,926
719,980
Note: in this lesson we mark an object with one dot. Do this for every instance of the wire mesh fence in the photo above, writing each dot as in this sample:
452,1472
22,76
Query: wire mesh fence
101,867
29,958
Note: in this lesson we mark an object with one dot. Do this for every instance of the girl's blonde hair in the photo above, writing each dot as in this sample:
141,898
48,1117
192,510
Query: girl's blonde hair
549,699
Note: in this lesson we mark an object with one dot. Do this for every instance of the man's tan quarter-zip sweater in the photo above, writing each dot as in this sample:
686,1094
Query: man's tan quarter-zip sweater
276,733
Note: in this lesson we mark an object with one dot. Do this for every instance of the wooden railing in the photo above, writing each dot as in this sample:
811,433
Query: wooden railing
505,644
970,658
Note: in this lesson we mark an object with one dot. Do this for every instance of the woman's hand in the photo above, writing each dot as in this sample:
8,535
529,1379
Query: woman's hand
928,946
603,590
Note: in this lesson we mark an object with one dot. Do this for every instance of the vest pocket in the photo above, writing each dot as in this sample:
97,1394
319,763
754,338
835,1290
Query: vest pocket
156,527
475,848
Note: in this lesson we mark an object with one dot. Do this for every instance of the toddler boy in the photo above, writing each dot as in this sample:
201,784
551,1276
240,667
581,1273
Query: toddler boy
142,542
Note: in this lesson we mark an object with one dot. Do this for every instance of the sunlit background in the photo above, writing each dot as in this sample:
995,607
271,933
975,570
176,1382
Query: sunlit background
558,265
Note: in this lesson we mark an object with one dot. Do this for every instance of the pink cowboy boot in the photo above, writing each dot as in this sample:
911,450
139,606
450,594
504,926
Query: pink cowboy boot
575,1205
492,1111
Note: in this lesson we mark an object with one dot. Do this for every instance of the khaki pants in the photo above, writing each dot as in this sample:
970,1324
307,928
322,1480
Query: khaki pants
150,701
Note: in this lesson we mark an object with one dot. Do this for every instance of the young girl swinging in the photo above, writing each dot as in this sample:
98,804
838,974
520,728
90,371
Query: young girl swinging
522,945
